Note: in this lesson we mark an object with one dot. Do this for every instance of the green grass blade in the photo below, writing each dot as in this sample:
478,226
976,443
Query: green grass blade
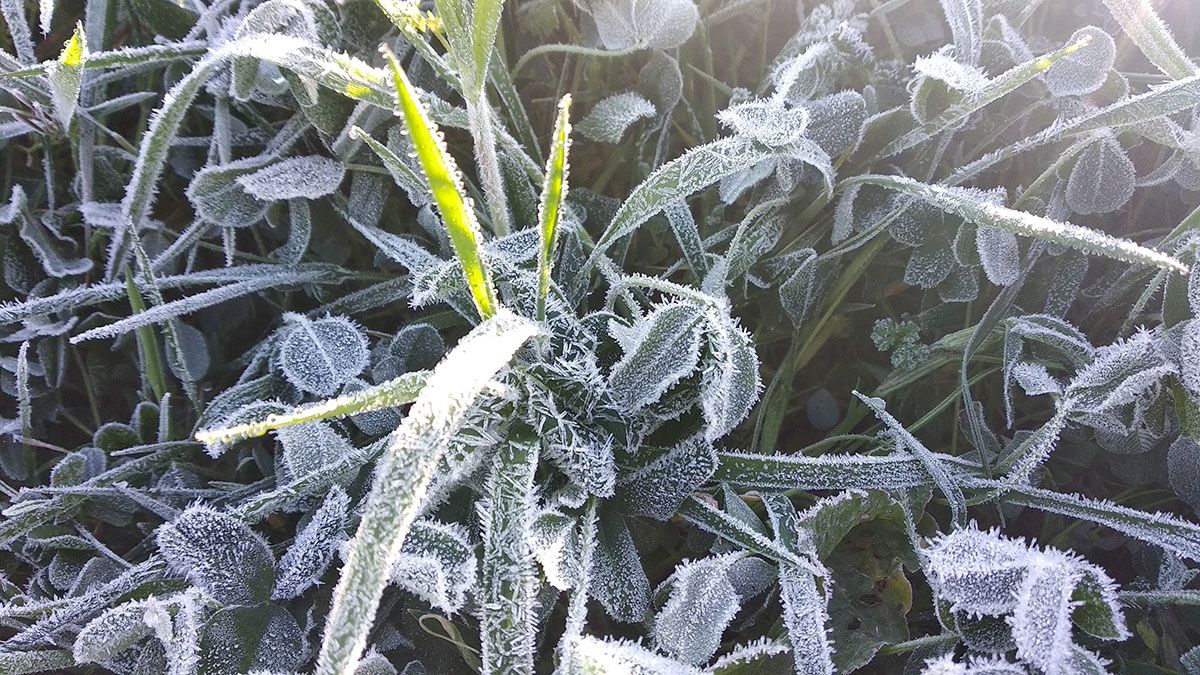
148,347
445,181
395,392
1150,34
404,475
963,204
554,191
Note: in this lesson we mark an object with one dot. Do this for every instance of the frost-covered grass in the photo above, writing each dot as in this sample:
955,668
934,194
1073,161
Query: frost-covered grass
600,336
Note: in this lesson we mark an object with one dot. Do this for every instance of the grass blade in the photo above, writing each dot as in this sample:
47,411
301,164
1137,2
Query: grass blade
403,476
1150,34
395,392
445,181
996,89
554,191
66,76
965,205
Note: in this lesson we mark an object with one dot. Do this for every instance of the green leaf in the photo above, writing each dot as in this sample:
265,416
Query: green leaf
554,192
445,180
66,76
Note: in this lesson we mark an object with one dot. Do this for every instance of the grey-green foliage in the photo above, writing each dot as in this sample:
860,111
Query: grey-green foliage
660,23
611,117
220,555
1102,178
1043,594
320,356
782,185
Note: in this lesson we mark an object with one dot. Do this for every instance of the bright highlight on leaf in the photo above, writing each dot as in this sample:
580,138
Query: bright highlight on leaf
445,181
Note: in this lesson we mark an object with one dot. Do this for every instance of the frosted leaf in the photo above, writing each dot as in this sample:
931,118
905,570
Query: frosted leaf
929,265
1193,292
733,186
193,353
966,26
730,383
322,355
767,122
961,285
984,633
556,544
943,67
976,665
1189,355
224,557
1041,618
611,117
311,552
240,639
312,447
751,576
694,170
1097,606
1035,379
999,254
1120,373
220,199
1085,70
701,604
437,564
835,122
35,661
618,580
589,654
1183,468
1102,179
111,633
806,616
975,570
659,350
65,76
306,177
642,23
658,488
1053,332
374,663
802,291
